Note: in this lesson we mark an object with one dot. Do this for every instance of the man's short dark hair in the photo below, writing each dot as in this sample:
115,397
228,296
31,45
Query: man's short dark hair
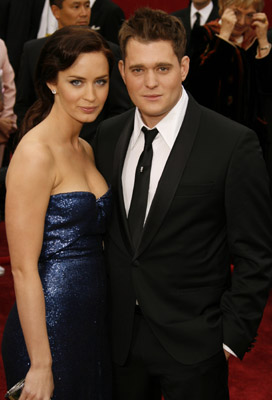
57,3
147,25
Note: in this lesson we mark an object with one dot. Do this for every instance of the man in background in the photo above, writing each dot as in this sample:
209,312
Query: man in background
107,18
198,13
69,12
19,22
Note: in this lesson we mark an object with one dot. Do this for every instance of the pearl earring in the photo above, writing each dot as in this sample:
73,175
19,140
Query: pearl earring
53,91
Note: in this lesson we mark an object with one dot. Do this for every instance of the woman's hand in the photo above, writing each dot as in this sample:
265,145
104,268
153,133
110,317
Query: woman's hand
6,126
39,384
260,25
228,21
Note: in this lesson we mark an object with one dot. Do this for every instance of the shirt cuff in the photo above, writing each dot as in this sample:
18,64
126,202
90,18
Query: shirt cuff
225,347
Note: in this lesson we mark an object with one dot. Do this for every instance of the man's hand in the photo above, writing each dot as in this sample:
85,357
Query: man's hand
227,354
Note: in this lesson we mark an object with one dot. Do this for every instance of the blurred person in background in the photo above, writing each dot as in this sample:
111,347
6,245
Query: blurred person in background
231,63
107,18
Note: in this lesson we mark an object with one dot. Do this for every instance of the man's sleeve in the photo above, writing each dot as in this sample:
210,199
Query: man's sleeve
249,227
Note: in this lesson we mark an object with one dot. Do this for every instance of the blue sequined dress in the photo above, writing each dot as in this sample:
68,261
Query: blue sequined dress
73,276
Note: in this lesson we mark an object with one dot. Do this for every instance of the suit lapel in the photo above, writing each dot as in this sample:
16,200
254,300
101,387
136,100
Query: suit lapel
118,162
213,15
171,175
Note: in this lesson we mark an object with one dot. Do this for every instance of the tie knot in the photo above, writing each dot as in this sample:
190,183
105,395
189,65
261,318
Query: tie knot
150,135
197,21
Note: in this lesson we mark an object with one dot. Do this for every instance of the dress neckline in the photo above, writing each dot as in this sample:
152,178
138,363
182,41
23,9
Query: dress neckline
81,192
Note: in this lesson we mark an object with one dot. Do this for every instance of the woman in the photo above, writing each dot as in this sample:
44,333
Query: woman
57,204
231,63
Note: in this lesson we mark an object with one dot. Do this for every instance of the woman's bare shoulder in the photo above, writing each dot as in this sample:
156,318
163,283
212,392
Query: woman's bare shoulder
33,155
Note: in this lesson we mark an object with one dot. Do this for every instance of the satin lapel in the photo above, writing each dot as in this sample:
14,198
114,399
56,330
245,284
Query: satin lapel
171,175
118,162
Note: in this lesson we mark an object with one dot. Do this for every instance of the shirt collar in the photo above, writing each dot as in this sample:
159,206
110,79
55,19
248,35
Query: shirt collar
204,12
168,127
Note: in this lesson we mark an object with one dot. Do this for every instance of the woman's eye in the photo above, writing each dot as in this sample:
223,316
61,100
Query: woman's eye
76,82
101,82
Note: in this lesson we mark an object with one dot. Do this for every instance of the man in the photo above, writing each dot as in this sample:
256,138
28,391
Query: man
198,13
19,22
69,12
174,303
107,18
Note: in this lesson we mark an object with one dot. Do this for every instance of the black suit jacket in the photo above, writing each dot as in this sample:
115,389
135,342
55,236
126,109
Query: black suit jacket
108,17
184,16
117,102
19,22
212,207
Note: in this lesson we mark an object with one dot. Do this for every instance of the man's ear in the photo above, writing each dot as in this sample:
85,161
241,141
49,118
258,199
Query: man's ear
55,11
184,67
121,66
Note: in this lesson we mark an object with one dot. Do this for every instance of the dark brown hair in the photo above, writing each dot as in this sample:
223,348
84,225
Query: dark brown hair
59,53
148,25
57,3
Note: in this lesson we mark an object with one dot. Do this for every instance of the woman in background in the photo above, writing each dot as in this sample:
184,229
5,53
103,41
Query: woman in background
231,64
57,205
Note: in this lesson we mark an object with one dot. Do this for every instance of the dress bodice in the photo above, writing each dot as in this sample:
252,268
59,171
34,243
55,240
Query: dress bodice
73,220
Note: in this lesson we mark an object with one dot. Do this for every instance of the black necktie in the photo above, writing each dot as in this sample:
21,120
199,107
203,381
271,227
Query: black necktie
197,21
137,210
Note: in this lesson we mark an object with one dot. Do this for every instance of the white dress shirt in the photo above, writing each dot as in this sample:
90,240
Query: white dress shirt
204,13
162,145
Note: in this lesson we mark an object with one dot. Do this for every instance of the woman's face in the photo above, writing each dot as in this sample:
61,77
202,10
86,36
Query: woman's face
82,89
244,19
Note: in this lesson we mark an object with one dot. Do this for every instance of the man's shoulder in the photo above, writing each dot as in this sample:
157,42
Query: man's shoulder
105,7
118,120
184,12
212,123
35,44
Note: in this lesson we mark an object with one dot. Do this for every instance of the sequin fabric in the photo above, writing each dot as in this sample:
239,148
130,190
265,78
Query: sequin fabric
73,276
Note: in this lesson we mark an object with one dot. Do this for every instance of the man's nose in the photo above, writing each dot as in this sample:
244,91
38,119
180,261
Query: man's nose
151,79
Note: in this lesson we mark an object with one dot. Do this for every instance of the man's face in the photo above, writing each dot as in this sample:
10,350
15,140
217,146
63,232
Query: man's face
199,4
153,76
73,12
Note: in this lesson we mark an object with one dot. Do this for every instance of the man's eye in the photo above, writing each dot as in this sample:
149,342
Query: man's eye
137,70
164,69
76,82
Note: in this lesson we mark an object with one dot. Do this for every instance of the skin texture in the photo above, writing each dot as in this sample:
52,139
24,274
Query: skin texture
72,12
153,76
50,159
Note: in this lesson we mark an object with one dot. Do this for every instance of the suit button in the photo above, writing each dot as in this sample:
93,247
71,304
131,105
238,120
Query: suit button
136,263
